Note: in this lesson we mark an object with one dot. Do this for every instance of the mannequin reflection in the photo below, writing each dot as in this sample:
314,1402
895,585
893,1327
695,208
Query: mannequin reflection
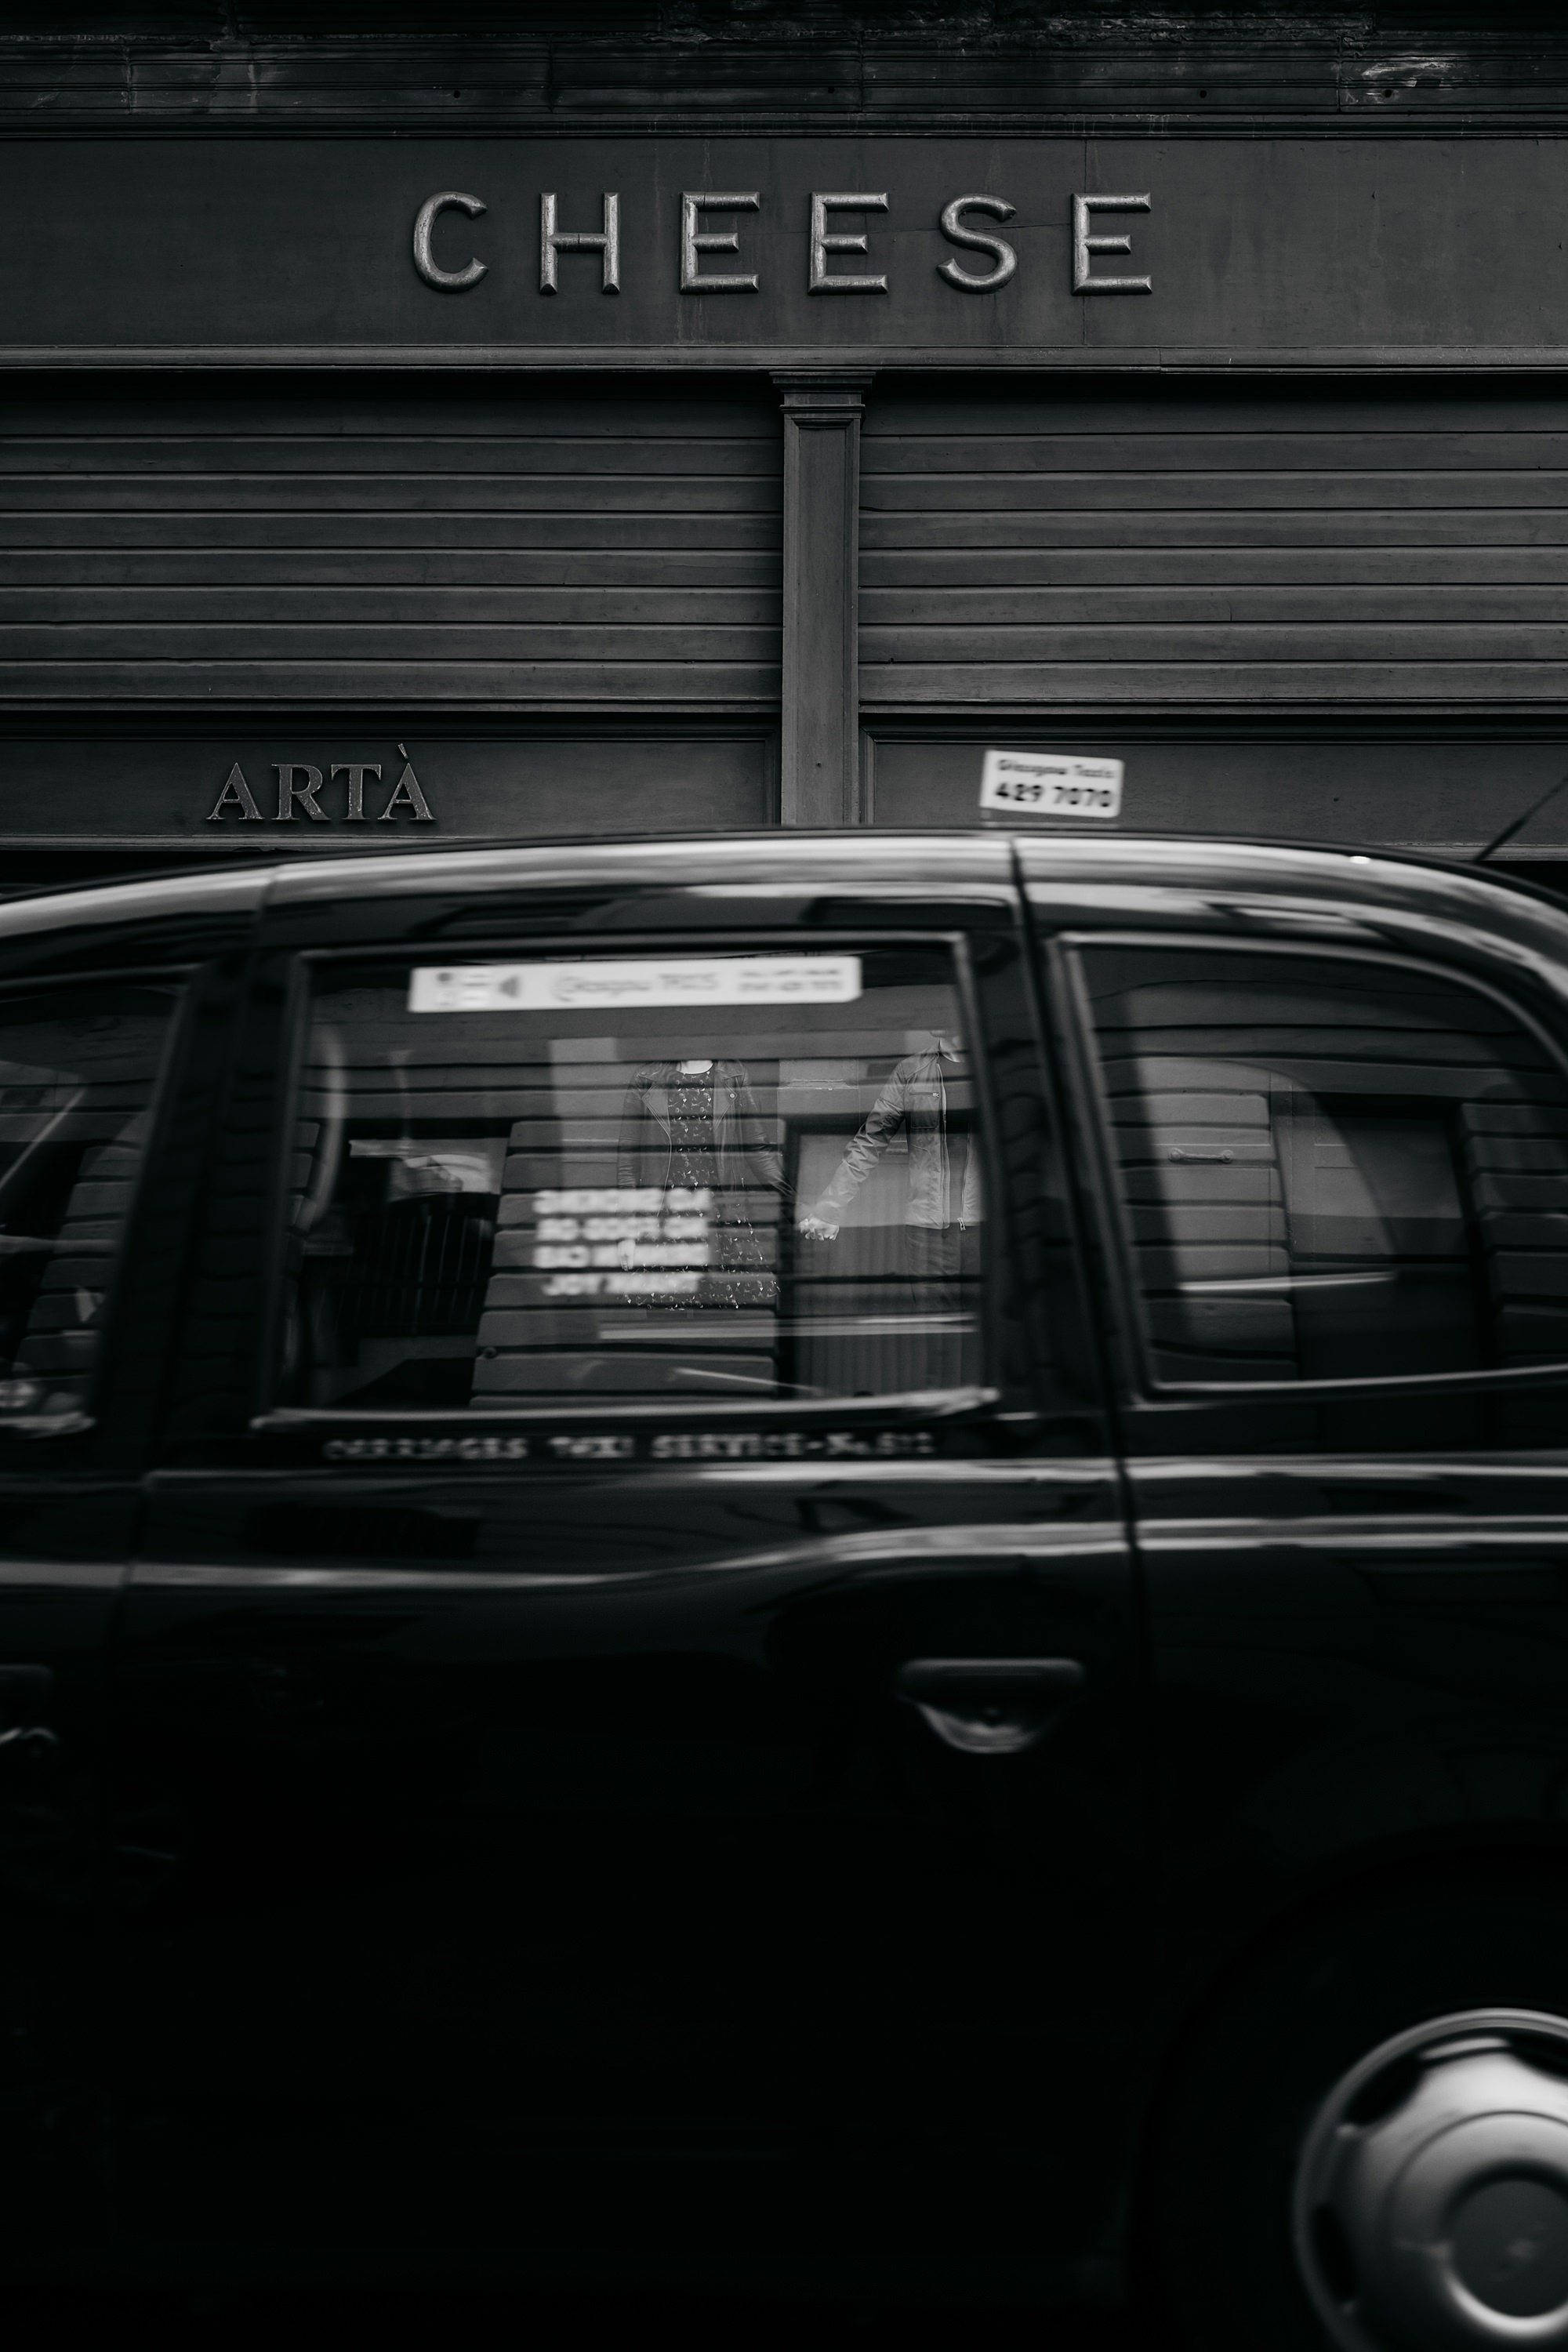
914,1099
694,1126
941,1250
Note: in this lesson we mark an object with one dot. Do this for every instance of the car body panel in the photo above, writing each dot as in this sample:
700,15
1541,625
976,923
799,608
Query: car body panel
537,1845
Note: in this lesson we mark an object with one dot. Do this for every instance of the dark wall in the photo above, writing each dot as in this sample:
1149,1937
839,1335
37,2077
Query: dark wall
678,63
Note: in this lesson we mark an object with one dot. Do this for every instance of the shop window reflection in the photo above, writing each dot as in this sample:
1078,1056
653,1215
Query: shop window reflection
760,1200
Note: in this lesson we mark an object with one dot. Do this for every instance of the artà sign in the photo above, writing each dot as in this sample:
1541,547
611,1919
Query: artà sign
301,782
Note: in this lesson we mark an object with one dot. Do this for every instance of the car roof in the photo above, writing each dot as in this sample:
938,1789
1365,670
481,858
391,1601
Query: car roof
786,861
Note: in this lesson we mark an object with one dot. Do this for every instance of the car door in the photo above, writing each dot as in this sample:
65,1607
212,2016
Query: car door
1331,1156
101,1029
647,1687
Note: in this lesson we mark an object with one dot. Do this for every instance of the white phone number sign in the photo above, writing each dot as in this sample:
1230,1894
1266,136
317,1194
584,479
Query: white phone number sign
623,983
1049,784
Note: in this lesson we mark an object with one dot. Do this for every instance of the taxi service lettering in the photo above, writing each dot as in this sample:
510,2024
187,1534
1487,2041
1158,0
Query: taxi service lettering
663,1445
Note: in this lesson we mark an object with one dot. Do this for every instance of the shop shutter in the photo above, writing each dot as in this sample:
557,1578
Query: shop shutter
1184,549
551,553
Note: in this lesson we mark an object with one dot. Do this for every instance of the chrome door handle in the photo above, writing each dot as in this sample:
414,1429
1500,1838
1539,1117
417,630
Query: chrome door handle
34,1743
29,1749
990,1706
26,1692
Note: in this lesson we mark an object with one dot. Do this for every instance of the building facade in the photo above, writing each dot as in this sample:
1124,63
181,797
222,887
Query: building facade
671,415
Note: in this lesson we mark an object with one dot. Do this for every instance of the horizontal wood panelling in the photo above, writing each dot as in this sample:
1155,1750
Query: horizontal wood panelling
478,612
1001,623
981,620
1516,527
1018,573
1184,682
373,678
713,534
320,641
353,494
570,454
1118,490
423,569
1289,450
543,552
1203,549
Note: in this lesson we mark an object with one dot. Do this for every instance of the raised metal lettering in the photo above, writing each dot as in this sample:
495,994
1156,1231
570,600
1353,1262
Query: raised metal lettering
822,245
444,281
288,791
235,793
406,794
981,241
605,241
1085,246
356,771
694,242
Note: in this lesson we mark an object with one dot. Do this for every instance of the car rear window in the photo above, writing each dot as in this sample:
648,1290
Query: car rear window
1329,1168
558,1179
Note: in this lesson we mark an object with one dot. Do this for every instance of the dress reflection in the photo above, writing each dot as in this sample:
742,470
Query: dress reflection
694,1127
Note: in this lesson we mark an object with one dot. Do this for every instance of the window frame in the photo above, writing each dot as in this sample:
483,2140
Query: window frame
269,1418
181,979
1063,953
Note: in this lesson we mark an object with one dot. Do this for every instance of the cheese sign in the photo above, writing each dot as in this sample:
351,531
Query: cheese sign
1049,784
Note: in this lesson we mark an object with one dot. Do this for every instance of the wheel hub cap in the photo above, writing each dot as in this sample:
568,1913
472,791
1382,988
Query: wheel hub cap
1510,2247
1431,2195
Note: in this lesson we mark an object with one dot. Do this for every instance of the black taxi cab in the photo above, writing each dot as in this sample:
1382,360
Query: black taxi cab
837,1562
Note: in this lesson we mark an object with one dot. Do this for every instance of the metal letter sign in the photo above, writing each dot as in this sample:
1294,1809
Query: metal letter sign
605,241
824,280
299,782
695,241
446,281
1004,254
1085,246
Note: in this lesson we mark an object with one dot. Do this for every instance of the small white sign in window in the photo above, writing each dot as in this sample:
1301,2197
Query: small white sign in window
1049,784
616,984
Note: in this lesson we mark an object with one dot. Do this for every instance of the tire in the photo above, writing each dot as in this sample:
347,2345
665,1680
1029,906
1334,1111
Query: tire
1364,2143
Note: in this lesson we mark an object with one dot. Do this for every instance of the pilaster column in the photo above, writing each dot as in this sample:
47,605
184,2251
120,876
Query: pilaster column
819,762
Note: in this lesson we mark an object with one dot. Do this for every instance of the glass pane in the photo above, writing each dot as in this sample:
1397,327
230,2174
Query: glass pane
1331,1169
79,1069
737,1178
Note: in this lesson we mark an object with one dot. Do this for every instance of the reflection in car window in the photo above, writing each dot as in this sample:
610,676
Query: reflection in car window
725,1177
79,1069
1332,1169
